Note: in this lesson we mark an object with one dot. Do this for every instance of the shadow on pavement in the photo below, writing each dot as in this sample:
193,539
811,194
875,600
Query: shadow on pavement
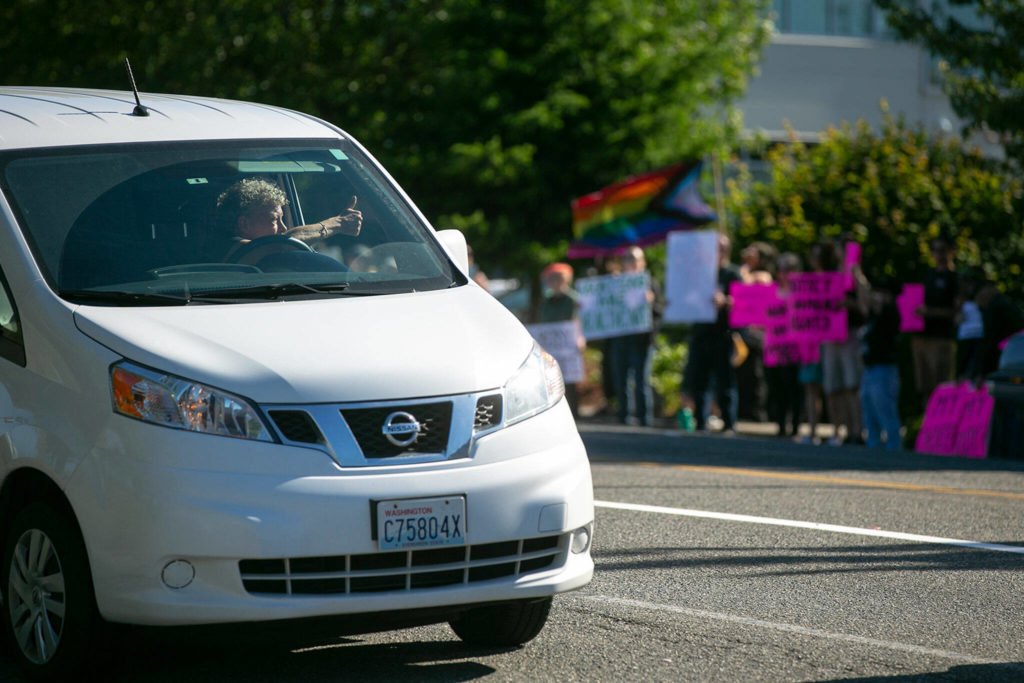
288,652
975,673
811,560
612,442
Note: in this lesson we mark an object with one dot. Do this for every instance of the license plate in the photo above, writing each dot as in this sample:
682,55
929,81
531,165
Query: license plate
421,522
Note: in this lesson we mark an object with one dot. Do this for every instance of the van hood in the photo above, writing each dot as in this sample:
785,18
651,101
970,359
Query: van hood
325,351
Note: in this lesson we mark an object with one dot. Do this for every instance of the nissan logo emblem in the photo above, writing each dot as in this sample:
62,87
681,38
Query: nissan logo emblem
401,429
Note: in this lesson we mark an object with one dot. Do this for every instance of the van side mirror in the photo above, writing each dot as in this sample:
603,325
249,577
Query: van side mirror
454,242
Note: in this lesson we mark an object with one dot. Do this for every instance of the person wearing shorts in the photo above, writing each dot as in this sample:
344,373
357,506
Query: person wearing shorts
841,363
842,369
810,377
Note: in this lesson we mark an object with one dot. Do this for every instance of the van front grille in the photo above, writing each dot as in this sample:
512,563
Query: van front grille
407,570
297,425
367,425
488,412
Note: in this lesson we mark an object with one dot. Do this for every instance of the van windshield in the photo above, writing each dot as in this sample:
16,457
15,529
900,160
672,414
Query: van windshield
168,223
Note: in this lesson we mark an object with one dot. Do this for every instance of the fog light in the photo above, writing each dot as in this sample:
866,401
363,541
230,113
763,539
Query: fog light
178,574
581,539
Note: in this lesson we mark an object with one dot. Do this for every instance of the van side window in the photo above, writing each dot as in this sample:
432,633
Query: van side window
12,345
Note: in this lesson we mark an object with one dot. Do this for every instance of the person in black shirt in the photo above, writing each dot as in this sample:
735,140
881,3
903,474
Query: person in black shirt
1001,318
710,352
934,348
880,384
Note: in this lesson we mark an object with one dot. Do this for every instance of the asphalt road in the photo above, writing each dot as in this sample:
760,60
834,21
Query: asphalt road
717,560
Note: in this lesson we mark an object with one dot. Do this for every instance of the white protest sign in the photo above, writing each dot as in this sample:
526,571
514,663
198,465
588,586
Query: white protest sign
614,305
560,340
691,276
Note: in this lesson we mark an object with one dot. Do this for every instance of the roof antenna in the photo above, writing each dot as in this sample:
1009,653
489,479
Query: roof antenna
139,109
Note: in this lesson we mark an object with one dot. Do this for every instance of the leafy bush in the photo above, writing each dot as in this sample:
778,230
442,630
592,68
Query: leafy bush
891,190
667,373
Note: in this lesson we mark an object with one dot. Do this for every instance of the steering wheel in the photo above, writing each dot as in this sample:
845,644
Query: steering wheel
261,247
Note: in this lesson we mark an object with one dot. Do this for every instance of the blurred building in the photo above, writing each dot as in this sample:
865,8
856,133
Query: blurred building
834,60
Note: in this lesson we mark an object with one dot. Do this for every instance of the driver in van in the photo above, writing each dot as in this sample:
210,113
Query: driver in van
255,209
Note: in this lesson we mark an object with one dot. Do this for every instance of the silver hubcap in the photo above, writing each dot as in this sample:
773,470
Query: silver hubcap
35,596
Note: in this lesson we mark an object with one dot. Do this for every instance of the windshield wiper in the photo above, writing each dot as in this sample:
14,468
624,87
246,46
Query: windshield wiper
108,296
281,289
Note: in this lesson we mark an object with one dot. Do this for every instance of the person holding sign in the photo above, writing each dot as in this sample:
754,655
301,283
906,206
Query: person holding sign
560,304
841,362
880,388
630,354
934,348
711,351
784,393
759,263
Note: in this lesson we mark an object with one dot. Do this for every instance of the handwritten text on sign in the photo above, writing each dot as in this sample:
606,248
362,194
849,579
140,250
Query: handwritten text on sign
614,305
781,346
561,340
956,421
817,312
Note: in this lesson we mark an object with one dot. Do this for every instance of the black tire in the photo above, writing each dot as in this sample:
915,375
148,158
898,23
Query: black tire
506,625
49,613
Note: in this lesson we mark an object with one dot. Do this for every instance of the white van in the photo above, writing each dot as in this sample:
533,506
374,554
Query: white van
242,379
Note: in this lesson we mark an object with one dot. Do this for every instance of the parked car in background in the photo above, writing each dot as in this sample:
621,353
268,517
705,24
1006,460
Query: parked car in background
1006,386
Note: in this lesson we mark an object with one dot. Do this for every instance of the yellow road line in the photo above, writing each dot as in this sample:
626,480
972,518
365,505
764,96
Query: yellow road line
822,479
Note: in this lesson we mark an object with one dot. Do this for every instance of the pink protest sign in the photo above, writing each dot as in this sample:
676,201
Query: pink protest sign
972,433
818,313
785,350
782,351
781,346
750,303
941,420
908,302
852,259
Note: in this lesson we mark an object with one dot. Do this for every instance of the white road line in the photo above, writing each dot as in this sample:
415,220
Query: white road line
811,525
792,628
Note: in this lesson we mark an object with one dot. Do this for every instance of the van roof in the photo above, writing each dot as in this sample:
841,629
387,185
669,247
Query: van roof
55,117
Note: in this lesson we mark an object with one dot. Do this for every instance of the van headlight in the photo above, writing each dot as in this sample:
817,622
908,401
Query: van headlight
535,387
182,404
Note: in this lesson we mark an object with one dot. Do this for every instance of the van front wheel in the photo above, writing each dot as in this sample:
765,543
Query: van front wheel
506,625
49,608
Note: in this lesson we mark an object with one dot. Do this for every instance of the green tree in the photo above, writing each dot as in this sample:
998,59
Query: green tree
493,115
983,59
891,190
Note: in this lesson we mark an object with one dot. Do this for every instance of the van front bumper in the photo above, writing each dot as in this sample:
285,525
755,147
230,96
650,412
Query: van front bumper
195,529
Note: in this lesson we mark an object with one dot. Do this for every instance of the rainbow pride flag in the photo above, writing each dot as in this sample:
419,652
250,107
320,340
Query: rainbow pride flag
640,210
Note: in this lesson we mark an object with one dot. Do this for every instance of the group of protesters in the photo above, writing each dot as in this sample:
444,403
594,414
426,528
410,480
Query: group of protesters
854,384
856,379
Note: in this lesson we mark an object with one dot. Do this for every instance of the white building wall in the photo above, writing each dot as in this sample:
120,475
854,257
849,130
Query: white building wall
813,82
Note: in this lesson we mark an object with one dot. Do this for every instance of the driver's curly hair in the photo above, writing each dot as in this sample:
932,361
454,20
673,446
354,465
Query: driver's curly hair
238,199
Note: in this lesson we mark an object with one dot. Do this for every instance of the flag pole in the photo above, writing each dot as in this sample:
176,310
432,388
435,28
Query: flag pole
716,168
